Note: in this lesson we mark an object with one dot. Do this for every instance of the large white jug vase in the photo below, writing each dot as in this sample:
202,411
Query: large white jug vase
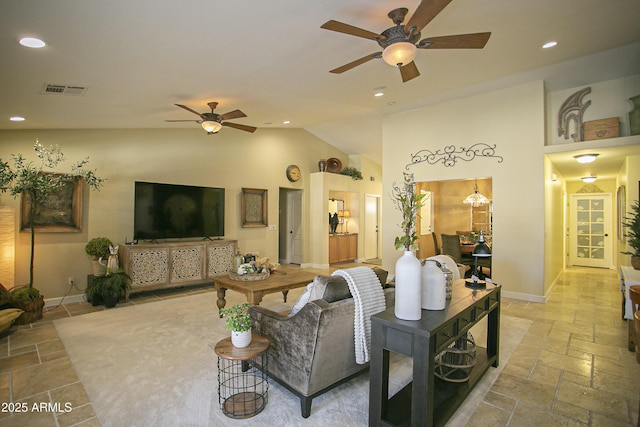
408,287
434,286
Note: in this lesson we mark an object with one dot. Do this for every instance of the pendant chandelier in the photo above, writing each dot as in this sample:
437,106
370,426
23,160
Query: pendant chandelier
476,199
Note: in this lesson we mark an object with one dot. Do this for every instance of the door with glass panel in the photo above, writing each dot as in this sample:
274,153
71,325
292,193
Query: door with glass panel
590,230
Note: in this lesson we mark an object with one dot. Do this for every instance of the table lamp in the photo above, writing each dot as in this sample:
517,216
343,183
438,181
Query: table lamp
481,249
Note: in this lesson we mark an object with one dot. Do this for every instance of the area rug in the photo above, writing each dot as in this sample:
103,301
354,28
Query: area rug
153,365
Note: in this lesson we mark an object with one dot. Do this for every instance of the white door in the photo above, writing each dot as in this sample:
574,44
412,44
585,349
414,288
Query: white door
294,227
590,230
371,227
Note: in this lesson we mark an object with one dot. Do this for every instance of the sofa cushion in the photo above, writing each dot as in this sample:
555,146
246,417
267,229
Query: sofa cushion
304,298
335,288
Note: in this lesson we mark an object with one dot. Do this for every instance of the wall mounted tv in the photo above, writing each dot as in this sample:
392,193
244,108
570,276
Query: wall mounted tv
165,211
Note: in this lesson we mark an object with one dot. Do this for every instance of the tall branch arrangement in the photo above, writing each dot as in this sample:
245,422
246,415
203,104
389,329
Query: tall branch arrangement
408,202
32,179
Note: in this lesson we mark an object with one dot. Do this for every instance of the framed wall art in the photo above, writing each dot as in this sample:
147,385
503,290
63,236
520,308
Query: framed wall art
61,212
254,207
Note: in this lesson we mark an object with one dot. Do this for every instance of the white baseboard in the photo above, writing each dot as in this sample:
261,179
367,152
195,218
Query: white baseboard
524,297
71,299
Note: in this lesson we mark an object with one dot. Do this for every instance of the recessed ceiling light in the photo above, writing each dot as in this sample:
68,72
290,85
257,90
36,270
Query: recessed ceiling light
589,179
286,122
32,42
547,45
16,119
585,158
378,94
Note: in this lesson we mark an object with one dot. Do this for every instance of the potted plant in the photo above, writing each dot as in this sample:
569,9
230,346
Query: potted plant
632,222
32,181
98,249
109,288
408,304
239,321
354,173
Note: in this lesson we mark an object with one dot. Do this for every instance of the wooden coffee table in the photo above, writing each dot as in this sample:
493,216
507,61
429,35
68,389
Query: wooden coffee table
282,280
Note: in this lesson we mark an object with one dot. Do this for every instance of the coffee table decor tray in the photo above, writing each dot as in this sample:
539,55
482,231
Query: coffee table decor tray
249,277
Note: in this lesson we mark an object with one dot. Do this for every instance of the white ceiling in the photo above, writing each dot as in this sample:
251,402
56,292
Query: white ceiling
271,60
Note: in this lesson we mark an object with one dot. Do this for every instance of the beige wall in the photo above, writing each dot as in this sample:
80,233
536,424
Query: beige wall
231,159
513,120
554,225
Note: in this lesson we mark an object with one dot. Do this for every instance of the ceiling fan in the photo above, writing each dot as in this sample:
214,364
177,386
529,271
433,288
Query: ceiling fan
400,43
212,122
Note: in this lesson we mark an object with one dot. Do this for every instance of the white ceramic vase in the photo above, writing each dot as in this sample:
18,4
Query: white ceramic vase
434,286
241,339
408,287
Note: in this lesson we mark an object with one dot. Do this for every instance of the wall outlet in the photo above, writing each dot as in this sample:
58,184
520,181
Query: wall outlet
272,227
72,280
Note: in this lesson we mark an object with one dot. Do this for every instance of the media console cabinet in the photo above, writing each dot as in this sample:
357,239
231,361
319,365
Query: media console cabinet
430,401
170,264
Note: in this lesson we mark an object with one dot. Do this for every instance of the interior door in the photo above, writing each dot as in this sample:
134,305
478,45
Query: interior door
371,227
294,227
590,230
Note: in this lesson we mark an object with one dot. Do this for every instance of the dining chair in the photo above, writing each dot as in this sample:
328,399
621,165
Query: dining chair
451,247
436,247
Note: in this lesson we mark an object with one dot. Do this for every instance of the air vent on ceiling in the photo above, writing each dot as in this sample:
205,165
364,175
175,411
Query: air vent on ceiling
51,89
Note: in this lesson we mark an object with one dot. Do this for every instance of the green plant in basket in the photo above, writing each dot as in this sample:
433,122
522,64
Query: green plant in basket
238,319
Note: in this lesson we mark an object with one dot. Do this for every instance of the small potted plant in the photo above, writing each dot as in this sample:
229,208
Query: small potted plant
98,249
632,222
239,321
109,288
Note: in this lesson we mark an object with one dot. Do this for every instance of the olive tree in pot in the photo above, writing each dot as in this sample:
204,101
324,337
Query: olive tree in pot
98,249
239,321
36,182
632,222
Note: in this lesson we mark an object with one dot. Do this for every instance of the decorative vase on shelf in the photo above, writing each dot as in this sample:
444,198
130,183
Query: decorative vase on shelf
434,286
634,116
408,287
635,262
322,165
241,339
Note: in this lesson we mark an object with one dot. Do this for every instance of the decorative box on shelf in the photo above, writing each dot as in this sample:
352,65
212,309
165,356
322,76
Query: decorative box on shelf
601,129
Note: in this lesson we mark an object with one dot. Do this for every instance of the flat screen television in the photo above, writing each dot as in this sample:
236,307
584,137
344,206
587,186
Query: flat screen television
166,211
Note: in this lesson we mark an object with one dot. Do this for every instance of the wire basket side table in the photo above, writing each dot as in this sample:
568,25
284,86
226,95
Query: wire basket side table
242,388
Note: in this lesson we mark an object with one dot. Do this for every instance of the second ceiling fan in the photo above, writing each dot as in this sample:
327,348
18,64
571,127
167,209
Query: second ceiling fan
400,43
212,122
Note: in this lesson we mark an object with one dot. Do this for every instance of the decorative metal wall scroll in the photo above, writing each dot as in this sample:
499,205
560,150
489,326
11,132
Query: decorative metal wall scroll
450,155
572,110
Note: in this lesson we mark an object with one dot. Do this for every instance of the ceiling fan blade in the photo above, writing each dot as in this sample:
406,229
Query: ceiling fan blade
189,109
409,71
341,27
235,114
424,13
197,121
241,127
357,62
460,41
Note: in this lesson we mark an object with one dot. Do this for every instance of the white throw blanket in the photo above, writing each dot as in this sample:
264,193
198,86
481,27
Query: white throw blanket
368,299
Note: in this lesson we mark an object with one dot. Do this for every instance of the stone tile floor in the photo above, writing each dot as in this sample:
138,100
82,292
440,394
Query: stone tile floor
572,368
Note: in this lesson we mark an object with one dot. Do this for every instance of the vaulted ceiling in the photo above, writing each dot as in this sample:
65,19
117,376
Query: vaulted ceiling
271,59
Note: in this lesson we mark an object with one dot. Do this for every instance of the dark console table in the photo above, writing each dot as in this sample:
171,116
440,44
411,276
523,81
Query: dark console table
428,400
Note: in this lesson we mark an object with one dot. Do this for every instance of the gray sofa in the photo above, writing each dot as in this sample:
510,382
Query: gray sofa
313,350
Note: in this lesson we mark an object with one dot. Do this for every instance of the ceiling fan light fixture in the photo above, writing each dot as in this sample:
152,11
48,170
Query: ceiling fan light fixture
211,126
399,54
